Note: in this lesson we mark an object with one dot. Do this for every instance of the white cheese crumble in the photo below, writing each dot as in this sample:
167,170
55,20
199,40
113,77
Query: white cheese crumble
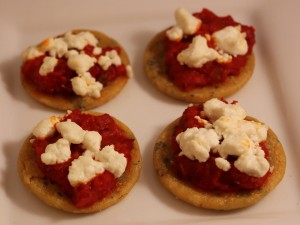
195,143
56,47
253,165
175,33
110,58
71,131
84,169
186,23
129,71
31,53
81,63
86,85
215,108
197,53
48,65
45,128
57,152
70,46
113,161
80,40
97,50
231,40
92,141
94,160
230,135
222,164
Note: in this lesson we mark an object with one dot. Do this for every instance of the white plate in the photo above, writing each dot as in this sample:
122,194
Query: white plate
271,95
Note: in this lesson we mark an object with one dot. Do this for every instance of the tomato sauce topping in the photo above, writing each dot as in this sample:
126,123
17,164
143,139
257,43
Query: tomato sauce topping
59,81
84,195
206,175
186,78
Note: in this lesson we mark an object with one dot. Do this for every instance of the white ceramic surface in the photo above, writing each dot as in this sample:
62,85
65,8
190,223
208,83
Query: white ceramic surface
271,95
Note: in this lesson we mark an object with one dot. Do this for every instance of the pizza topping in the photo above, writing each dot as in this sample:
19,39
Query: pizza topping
45,128
197,53
219,48
175,33
81,63
216,148
72,63
84,169
71,131
89,170
48,65
80,40
222,164
86,85
233,136
110,58
57,152
215,109
195,143
93,161
112,160
129,71
231,40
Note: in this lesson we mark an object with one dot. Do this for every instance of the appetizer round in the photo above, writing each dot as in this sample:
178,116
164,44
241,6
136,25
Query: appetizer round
210,184
203,56
90,178
79,69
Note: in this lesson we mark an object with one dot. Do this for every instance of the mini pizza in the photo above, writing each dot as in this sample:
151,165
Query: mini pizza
202,56
217,157
81,162
80,69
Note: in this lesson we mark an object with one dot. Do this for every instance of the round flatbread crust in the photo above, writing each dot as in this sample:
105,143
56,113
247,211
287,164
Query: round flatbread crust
155,69
82,102
162,160
49,193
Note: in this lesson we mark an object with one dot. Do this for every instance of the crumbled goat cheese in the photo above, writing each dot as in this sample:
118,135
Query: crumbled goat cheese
195,143
81,63
197,53
83,169
230,135
92,141
86,85
214,109
71,131
113,161
80,40
48,65
110,58
231,40
45,128
57,152
222,164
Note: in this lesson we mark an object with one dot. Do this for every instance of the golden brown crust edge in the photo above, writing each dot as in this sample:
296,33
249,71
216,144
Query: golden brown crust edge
49,193
162,159
78,102
155,70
